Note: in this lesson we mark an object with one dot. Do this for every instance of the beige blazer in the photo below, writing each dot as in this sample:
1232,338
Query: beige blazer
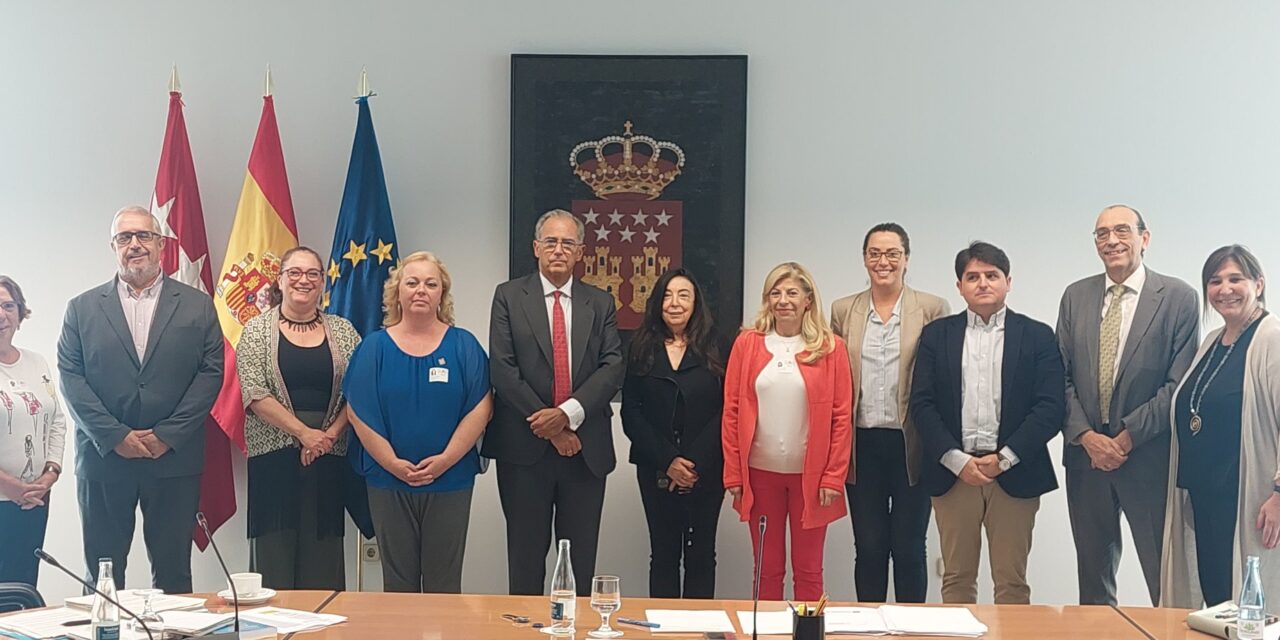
849,321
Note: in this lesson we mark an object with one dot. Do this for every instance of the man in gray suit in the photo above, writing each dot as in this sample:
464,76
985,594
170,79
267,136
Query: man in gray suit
555,360
1127,337
140,359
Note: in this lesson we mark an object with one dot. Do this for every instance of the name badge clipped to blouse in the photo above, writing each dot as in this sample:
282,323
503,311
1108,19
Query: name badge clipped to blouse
438,374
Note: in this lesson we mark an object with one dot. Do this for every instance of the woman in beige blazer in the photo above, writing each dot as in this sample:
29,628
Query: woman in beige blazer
881,327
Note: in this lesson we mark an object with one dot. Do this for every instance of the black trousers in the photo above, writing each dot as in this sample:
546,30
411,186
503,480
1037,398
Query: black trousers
21,533
1215,521
681,527
107,515
890,520
555,490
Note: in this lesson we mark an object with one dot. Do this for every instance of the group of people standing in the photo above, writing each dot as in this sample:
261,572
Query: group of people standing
891,412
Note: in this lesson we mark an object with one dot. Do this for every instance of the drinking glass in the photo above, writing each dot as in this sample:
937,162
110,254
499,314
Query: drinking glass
605,599
149,615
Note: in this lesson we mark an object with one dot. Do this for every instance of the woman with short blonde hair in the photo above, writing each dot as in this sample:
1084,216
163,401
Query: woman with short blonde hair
419,401
786,429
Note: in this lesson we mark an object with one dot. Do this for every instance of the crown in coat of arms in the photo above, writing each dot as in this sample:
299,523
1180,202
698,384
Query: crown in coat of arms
627,167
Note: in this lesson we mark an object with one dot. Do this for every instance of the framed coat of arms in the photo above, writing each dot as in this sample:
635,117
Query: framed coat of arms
650,153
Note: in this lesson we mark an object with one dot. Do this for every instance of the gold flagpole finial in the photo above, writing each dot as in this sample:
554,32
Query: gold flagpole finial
267,85
175,86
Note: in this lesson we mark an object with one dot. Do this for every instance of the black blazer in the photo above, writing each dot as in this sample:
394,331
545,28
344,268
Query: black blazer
521,372
1032,402
649,408
109,391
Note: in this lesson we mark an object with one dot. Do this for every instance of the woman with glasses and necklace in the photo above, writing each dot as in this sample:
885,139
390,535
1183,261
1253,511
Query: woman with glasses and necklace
32,432
291,361
890,510
1224,464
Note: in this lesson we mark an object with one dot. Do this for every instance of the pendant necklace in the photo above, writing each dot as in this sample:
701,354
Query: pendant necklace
1197,423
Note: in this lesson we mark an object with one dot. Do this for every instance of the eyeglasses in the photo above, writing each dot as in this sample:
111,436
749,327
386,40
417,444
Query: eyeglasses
550,243
313,275
874,255
9,307
1121,232
125,238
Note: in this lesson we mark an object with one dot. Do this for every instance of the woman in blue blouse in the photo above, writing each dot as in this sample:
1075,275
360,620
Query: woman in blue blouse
418,397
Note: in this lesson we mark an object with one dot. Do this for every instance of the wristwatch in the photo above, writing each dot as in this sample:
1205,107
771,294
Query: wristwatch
1005,463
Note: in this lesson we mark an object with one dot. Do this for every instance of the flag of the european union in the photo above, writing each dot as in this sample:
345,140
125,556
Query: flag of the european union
364,251
364,244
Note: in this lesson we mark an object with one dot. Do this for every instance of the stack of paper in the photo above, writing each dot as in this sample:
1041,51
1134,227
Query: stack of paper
888,619
288,621
43,623
134,602
932,621
681,621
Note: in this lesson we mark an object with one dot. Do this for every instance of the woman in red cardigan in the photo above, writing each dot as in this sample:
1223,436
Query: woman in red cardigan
787,431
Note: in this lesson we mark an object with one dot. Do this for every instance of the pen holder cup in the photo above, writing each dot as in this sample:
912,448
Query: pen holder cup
808,627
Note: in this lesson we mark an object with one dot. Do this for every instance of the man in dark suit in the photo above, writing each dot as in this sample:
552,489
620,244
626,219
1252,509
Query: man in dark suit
987,396
1127,337
140,359
555,360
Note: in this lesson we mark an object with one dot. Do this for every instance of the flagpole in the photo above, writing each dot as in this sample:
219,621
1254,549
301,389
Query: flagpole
362,92
175,86
267,85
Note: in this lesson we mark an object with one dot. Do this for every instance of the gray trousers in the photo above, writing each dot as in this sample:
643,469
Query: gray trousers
107,518
1094,501
422,538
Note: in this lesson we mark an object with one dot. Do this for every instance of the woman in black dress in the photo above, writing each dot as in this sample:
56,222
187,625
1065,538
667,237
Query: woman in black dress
671,403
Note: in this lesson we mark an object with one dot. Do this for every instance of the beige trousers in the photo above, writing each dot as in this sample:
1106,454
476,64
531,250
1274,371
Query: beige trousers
962,513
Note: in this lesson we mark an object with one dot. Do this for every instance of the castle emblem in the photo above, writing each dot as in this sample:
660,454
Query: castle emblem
632,236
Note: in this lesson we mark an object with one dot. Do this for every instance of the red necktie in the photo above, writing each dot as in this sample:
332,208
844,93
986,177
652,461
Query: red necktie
559,352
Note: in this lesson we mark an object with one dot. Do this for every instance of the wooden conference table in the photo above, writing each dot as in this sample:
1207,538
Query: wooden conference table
472,617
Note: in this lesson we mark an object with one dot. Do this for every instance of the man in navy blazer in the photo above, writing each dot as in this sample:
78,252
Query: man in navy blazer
987,396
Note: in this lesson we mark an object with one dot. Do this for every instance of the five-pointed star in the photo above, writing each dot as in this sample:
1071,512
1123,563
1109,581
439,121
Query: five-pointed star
355,254
188,272
161,212
325,302
640,216
615,218
334,271
591,216
602,235
626,234
651,236
663,218
383,251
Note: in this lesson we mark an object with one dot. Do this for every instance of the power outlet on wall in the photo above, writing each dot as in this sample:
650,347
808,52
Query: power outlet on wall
369,551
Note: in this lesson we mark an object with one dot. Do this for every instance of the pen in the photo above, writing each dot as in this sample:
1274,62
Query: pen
639,623
75,623
822,604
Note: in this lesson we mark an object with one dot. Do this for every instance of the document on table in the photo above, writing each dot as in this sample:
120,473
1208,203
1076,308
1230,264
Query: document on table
932,621
134,602
288,621
772,623
43,623
681,621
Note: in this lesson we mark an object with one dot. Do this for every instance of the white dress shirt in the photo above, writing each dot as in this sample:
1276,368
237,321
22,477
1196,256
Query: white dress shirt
570,407
1128,305
139,310
782,422
878,383
980,373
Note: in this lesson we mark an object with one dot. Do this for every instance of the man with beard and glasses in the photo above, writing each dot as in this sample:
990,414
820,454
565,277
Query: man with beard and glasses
141,362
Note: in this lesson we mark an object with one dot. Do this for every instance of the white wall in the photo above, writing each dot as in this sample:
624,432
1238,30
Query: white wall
1007,120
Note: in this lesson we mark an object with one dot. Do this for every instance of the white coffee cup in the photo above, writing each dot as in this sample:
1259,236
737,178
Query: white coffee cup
246,584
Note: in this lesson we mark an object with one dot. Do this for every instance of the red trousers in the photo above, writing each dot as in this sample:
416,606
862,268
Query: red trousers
778,497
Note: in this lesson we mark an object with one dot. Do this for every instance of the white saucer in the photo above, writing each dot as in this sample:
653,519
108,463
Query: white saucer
252,598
